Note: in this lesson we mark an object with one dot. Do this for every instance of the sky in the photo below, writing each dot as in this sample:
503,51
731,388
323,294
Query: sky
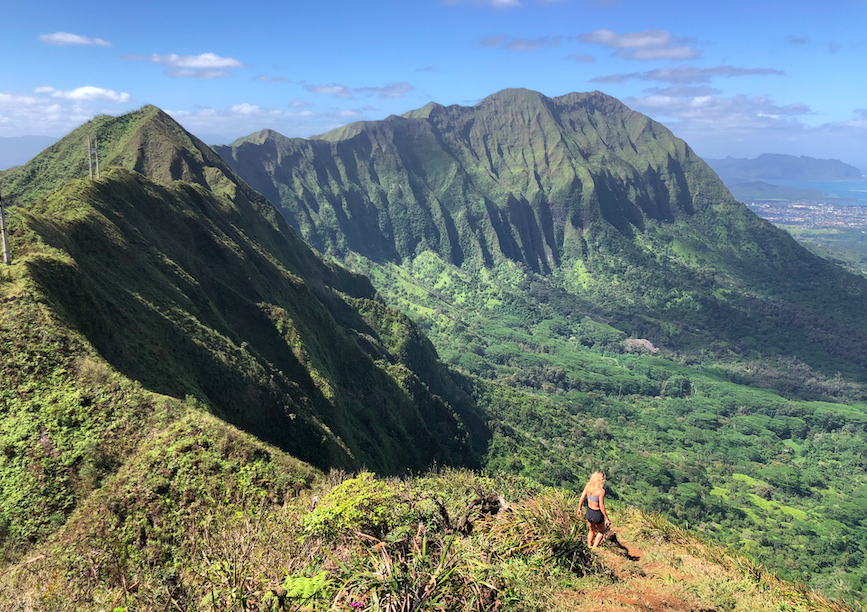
731,78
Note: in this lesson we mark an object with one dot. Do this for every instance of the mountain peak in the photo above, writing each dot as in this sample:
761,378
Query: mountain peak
267,135
424,112
513,97
147,141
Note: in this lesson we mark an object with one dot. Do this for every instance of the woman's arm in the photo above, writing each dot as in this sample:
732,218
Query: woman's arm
581,501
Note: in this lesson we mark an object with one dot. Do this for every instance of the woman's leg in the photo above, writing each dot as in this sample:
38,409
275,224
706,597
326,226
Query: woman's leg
599,535
593,535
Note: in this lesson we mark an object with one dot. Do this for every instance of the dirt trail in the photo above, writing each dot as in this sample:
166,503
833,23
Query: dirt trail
639,583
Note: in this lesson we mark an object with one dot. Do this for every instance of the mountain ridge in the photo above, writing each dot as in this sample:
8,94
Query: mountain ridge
772,166
479,176
572,186
199,289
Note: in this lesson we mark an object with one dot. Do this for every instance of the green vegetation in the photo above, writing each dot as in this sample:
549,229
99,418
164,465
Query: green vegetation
107,303
453,541
761,451
611,305
172,352
846,247
600,209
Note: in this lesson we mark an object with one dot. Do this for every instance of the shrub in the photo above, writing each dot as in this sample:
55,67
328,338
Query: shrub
361,504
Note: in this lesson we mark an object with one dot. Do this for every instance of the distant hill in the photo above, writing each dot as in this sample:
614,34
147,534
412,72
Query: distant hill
15,150
759,190
770,166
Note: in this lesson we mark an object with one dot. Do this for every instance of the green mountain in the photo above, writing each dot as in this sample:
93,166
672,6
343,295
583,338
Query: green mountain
164,343
518,176
601,205
617,305
772,166
193,288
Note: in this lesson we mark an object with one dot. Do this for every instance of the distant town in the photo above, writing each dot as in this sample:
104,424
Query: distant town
811,214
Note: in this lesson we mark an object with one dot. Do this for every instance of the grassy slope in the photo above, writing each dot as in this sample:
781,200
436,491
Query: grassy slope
442,541
196,290
224,322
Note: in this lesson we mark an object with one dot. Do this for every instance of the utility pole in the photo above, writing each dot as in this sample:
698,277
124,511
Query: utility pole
89,158
96,152
7,256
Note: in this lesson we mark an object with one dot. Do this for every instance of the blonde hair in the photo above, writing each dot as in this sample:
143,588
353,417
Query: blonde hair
596,481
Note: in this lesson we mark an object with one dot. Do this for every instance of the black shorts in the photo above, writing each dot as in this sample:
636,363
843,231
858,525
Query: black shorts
594,516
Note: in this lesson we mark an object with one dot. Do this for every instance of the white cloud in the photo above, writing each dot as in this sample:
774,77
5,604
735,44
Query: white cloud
746,126
336,90
205,60
684,91
299,104
192,73
203,66
52,112
686,74
720,114
392,90
645,45
531,44
65,38
88,92
495,40
245,109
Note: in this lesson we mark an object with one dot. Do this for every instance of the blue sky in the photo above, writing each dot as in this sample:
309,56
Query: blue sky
735,78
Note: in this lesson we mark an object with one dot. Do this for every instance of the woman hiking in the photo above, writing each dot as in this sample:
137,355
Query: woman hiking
597,519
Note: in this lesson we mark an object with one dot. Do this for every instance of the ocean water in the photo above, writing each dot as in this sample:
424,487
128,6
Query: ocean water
840,192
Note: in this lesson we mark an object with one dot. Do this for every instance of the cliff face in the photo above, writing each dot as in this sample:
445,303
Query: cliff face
519,176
